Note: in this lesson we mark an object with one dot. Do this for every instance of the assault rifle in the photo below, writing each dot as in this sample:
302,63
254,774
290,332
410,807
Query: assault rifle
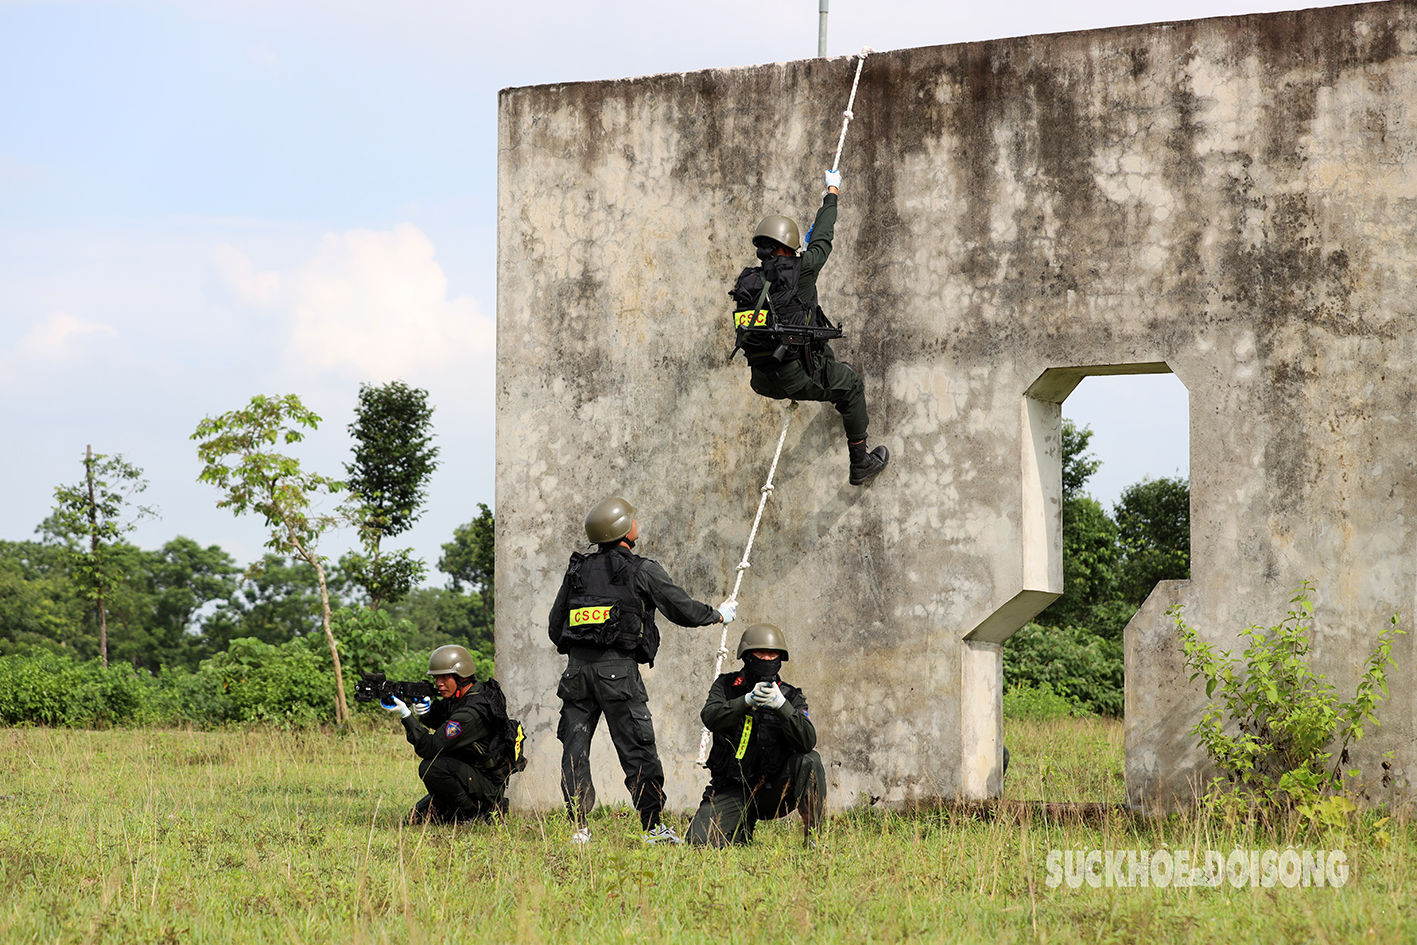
376,686
796,336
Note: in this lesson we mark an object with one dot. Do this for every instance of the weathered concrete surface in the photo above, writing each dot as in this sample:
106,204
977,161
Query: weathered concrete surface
1234,200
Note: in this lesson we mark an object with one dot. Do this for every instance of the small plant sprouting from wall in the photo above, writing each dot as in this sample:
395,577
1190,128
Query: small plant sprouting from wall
1271,721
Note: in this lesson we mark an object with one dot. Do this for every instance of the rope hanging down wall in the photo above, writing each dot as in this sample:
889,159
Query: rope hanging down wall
706,737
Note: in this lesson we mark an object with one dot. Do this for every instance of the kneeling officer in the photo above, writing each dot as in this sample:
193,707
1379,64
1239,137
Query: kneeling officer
762,763
462,739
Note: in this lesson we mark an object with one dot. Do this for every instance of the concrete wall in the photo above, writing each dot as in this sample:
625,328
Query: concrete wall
1234,200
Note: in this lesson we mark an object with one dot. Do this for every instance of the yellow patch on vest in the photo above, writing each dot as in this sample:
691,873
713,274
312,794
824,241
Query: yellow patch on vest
750,319
584,615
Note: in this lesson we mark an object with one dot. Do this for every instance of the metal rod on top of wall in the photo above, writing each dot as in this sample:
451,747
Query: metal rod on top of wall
821,29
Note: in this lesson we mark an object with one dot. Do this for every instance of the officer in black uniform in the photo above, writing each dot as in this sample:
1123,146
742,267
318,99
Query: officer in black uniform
762,765
461,739
804,372
603,620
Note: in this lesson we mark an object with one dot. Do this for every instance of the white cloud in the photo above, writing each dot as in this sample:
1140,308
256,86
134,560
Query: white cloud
241,277
63,337
376,303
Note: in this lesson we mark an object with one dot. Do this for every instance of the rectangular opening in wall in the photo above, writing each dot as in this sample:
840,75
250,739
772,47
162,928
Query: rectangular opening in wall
1125,458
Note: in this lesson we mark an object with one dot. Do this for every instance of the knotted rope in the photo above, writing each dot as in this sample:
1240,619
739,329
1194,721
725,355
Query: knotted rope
846,115
706,737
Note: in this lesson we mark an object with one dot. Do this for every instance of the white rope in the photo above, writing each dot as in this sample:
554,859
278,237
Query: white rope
846,115
706,737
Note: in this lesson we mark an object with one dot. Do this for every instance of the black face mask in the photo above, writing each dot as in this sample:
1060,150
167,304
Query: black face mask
762,670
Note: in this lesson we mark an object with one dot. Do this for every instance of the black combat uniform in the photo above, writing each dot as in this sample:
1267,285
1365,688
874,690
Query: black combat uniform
603,620
762,764
824,378
464,774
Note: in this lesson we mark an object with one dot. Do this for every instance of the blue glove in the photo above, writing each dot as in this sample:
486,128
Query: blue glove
728,610
834,179
397,706
422,707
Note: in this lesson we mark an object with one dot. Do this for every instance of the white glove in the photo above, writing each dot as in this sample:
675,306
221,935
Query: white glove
834,179
728,610
422,707
397,706
750,698
761,694
772,698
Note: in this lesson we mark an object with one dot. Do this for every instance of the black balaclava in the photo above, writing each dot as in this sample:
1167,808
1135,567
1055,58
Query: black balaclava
762,670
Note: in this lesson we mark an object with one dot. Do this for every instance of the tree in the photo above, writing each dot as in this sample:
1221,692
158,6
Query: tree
39,603
235,449
1089,542
277,601
393,461
471,559
89,519
1078,466
1154,529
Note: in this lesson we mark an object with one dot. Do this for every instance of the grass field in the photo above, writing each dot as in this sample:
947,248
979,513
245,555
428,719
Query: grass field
153,836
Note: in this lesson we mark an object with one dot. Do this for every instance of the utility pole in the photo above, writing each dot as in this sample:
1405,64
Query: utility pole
821,29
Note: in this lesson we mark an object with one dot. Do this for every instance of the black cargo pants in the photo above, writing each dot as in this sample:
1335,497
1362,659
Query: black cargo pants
457,792
728,814
607,684
829,382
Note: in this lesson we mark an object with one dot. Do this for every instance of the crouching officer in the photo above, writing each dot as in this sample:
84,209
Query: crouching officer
603,620
462,739
762,765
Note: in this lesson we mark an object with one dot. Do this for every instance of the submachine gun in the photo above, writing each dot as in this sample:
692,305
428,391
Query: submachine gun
377,686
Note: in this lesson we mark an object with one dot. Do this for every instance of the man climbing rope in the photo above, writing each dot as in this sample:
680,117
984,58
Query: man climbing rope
772,299
603,620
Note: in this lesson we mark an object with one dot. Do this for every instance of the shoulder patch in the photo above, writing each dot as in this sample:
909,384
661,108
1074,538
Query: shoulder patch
452,729
738,681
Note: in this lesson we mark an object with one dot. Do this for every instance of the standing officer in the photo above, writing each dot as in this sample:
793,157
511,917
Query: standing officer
762,765
783,291
462,739
603,620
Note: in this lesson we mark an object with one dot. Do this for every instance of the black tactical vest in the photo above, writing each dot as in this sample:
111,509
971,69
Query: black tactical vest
502,754
603,608
757,749
756,316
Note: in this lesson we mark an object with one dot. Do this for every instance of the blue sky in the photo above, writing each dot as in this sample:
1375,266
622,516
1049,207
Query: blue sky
202,200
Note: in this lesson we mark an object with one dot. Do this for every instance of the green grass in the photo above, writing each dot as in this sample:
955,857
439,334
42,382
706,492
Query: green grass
152,836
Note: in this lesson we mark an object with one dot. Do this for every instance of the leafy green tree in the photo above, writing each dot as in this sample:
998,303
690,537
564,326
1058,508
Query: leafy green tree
186,578
89,518
277,600
441,615
1078,465
1154,530
1090,554
39,605
393,461
235,449
471,559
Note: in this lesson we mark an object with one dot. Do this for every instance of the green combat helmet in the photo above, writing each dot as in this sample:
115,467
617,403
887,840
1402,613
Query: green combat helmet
451,659
609,520
763,636
779,229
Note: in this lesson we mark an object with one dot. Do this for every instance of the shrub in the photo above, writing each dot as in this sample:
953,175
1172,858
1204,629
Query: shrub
1269,731
1074,664
267,683
1023,701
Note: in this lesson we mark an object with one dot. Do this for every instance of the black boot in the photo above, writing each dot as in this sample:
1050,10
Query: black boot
864,465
